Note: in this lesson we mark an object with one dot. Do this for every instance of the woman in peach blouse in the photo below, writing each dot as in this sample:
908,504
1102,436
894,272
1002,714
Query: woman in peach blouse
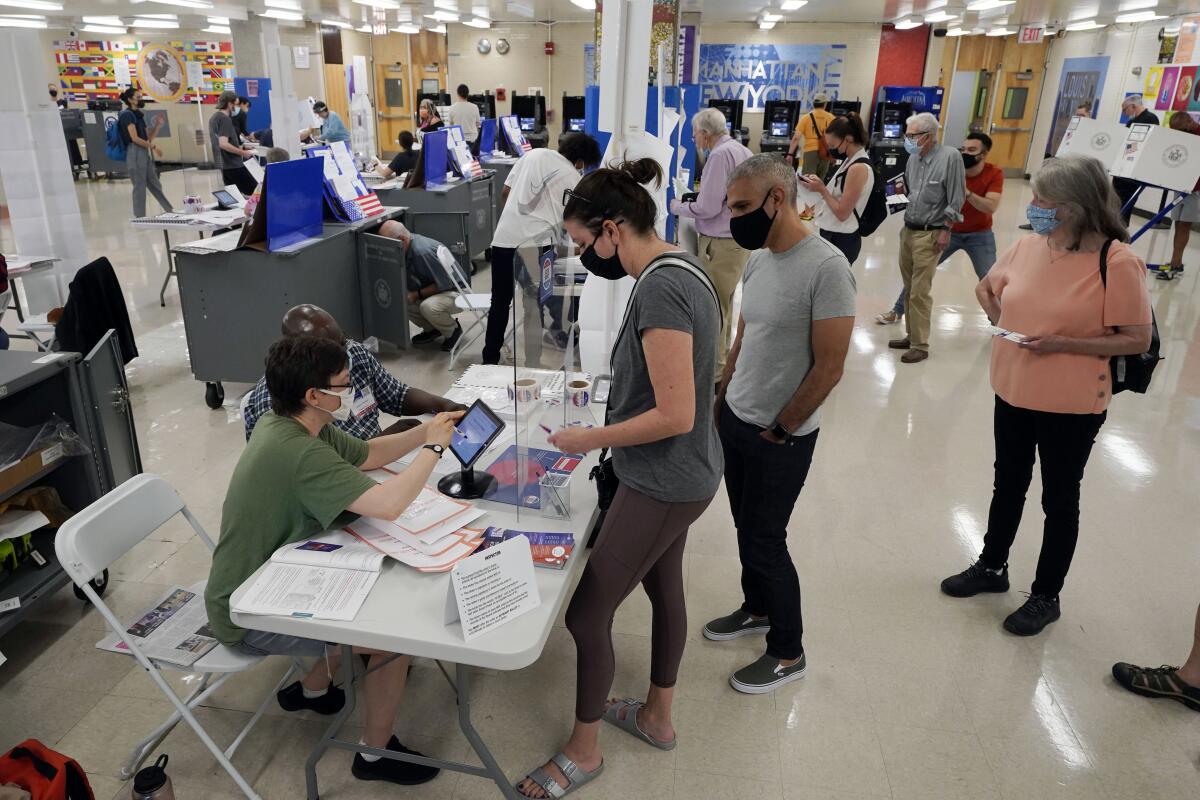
1052,379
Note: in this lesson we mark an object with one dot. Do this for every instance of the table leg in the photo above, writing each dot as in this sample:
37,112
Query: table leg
162,295
463,691
16,293
310,767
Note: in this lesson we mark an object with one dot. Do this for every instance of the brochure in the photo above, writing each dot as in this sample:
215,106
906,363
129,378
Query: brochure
175,631
550,550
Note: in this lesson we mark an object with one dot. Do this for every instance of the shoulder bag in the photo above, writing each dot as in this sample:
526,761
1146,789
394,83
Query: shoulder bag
1132,373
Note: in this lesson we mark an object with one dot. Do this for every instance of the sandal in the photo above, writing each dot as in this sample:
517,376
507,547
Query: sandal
575,776
628,723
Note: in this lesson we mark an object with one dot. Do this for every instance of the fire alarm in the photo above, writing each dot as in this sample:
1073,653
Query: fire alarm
549,48
501,93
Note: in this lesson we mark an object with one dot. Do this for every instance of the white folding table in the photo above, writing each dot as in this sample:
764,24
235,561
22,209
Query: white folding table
188,222
404,613
22,267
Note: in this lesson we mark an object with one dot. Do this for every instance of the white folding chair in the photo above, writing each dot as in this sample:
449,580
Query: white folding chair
39,330
100,534
475,303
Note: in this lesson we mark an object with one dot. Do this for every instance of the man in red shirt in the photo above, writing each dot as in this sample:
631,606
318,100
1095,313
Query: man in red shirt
973,235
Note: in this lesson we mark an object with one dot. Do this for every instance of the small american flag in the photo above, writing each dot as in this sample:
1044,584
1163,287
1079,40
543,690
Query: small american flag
369,204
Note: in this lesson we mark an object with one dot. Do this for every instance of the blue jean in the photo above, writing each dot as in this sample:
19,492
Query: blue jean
979,246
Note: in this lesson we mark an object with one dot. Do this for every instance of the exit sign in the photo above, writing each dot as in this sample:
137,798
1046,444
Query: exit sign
1030,34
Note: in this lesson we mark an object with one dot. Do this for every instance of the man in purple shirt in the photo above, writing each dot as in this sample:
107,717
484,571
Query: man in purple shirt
720,255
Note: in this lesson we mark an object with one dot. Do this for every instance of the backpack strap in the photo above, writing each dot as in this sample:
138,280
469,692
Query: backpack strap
1104,261
816,127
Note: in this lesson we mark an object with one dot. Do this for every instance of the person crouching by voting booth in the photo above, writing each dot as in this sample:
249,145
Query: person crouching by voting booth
431,293
665,453
375,389
299,476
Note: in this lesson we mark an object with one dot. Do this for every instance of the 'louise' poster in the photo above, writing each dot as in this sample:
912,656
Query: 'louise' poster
1183,89
1166,90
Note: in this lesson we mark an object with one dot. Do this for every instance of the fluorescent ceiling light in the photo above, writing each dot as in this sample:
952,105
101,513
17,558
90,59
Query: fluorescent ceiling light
1084,25
906,24
37,5
335,23
408,28
390,5
446,5
364,28
768,16
217,20
439,28
1000,32
113,21
792,5
222,29
19,22
289,5
443,16
988,5
163,24
275,13
483,12
940,16
184,3
1134,5
1140,16
957,32
477,23
764,25
586,5
157,16
113,29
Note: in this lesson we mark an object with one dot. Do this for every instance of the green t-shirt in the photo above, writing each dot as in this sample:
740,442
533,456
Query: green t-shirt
287,486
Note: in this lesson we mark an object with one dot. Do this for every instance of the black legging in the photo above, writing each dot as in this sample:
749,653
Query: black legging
502,297
642,542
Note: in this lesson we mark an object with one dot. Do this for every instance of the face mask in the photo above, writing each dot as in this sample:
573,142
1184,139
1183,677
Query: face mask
706,152
608,268
342,412
970,160
141,104
910,146
1043,220
750,231
236,111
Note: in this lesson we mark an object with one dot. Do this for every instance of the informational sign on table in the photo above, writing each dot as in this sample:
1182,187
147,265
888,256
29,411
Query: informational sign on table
492,587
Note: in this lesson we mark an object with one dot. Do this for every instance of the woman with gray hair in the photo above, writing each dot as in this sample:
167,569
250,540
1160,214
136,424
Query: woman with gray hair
720,256
427,119
1050,371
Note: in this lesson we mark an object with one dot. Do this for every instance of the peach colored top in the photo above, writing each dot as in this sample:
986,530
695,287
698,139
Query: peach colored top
1039,297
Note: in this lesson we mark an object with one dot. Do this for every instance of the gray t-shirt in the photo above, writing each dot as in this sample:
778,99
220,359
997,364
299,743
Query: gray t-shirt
221,124
782,295
688,467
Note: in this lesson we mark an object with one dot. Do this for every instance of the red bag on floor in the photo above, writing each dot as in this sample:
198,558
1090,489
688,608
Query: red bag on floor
44,773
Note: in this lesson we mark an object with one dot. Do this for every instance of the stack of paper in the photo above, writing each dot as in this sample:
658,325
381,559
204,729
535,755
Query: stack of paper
429,536
326,578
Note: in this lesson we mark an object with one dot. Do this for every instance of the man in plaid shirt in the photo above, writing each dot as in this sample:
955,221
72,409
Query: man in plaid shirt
375,389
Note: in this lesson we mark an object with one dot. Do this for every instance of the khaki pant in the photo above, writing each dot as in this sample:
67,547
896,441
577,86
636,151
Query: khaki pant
435,313
813,164
724,262
918,263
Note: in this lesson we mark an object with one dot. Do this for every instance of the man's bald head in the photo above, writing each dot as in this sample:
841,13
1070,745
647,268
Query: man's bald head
310,320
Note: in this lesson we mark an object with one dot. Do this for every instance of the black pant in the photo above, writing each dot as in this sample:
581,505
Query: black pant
1125,188
240,177
763,481
849,243
1062,443
502,297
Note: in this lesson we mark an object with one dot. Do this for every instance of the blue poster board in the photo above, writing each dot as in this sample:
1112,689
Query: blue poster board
433,149
294,197
258,92
487,136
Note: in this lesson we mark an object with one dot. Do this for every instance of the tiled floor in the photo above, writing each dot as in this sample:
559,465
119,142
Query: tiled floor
910,694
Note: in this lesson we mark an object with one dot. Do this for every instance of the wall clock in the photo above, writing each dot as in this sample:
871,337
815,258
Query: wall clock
483,46
502,46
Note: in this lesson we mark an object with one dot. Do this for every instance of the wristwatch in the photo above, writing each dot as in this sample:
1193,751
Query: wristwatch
779,432
437,448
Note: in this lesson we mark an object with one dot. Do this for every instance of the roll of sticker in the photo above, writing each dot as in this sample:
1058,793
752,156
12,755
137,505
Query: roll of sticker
525,390
580,392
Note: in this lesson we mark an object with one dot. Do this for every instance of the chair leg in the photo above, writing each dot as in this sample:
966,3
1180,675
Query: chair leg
467,339
292,669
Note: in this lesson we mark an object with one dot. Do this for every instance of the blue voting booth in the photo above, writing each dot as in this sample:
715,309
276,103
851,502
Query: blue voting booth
258,92
294,200
434,147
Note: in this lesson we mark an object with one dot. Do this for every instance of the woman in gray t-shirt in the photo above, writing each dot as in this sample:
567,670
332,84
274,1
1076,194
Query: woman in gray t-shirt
665,451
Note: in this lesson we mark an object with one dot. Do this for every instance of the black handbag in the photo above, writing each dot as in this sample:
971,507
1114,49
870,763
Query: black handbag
1132,373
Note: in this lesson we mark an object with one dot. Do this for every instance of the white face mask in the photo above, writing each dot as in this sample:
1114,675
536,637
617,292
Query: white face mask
342,412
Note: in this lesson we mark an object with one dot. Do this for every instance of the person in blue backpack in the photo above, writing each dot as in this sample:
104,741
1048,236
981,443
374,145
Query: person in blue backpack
140,152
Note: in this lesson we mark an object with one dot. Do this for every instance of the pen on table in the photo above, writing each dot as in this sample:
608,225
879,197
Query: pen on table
543,427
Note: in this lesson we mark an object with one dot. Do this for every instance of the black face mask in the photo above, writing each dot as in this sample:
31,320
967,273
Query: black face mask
750,231
608,268
970,160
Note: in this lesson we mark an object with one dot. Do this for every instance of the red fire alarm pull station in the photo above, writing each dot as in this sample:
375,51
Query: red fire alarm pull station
501,93
549,48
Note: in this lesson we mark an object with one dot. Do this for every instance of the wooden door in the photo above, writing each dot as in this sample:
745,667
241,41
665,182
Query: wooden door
1017,88
395,110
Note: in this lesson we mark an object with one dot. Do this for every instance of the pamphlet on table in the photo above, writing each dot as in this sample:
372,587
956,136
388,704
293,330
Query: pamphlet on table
175,631
492,587
549,550
328,577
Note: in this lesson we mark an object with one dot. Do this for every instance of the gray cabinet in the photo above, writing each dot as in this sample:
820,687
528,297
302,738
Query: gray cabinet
91,394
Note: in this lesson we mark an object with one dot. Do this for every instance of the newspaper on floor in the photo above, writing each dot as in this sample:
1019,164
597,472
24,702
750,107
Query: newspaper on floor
175,631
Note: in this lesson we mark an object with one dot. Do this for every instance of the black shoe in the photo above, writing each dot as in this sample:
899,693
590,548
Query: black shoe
975,579
448,345
1030,619
1157,682
292,699
426,337
385,769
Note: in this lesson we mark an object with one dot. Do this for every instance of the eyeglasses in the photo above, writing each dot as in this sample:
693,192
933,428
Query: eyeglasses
338,386
569,195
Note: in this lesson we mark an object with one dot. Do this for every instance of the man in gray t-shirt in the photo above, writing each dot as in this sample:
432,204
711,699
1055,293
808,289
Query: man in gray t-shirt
792,338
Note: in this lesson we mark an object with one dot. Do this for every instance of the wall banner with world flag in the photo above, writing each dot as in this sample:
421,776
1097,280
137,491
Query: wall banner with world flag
88,70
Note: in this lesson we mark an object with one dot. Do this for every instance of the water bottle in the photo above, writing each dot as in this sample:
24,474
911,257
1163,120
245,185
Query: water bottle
153,783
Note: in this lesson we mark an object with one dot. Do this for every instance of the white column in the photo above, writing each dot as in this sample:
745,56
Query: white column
36,170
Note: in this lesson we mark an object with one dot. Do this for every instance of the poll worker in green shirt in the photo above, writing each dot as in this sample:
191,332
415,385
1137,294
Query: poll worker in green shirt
300,476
